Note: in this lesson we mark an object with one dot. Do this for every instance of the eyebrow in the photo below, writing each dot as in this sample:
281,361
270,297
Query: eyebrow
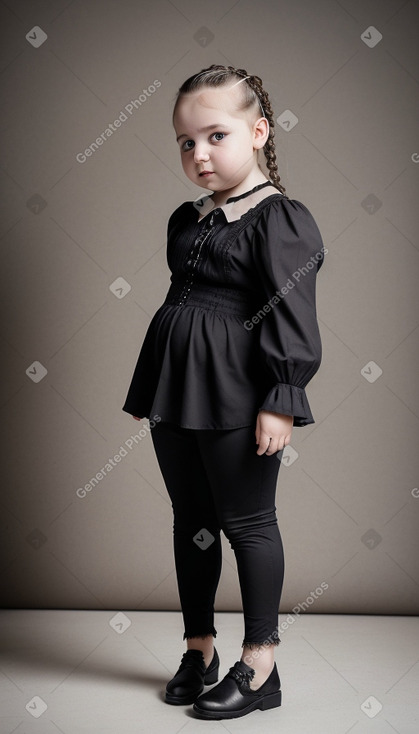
204,129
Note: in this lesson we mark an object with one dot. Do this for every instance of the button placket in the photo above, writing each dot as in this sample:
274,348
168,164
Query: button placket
194,256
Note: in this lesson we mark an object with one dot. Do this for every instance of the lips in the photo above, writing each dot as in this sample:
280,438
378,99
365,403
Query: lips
206,173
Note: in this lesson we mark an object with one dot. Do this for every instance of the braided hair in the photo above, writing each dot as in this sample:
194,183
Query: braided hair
253,94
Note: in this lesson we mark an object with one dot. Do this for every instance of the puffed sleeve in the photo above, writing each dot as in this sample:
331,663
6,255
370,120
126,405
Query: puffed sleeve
288,253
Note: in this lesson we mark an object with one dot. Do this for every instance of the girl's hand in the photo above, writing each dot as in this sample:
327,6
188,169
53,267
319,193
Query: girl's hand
274,426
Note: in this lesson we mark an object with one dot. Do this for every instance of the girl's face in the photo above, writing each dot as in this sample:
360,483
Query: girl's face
214,137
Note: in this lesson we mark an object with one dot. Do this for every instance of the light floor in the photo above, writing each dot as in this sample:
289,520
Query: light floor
79,672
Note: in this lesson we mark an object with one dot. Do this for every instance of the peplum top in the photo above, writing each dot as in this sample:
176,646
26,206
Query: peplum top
237,331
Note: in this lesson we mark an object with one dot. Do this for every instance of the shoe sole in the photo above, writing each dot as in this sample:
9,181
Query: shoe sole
185,700
269,701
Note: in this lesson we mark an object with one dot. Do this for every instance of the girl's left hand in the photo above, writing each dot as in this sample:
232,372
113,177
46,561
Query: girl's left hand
274,426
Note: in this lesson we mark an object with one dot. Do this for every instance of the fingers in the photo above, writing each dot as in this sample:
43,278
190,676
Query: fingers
263,447
262,440
270,445
273,432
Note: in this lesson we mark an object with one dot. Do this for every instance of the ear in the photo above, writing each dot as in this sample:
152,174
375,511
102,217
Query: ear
260,132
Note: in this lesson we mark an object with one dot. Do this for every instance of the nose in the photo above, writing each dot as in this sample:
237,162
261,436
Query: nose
200,152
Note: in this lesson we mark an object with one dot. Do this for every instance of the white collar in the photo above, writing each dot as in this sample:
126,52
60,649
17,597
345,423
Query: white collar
233,210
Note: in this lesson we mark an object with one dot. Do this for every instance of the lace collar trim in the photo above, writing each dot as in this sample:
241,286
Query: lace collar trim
235,207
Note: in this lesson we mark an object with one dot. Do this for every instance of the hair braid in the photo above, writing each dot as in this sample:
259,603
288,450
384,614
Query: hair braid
255,83
216,76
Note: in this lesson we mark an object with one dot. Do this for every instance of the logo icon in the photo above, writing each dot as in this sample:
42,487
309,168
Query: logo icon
371,371
36,36
371,538
120,623
36,371
203,539
371,36
287,120
371,707
120,287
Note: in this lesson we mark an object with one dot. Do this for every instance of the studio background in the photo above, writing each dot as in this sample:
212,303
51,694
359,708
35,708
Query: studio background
83,266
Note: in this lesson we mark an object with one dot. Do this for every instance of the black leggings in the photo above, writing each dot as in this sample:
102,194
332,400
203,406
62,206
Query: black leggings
216,481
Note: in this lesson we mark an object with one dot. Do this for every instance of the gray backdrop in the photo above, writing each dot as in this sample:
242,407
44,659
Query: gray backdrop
83,266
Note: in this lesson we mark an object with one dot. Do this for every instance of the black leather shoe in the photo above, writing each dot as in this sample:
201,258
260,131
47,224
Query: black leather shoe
233,696
191,677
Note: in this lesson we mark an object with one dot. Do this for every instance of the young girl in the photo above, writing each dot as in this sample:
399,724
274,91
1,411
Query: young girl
222,374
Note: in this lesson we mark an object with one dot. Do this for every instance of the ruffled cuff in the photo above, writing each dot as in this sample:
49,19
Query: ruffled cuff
289,400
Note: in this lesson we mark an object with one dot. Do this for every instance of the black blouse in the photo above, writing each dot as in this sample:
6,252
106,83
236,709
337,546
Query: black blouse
237,332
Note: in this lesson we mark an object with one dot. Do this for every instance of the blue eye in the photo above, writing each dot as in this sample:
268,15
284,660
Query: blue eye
223,134
185,143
